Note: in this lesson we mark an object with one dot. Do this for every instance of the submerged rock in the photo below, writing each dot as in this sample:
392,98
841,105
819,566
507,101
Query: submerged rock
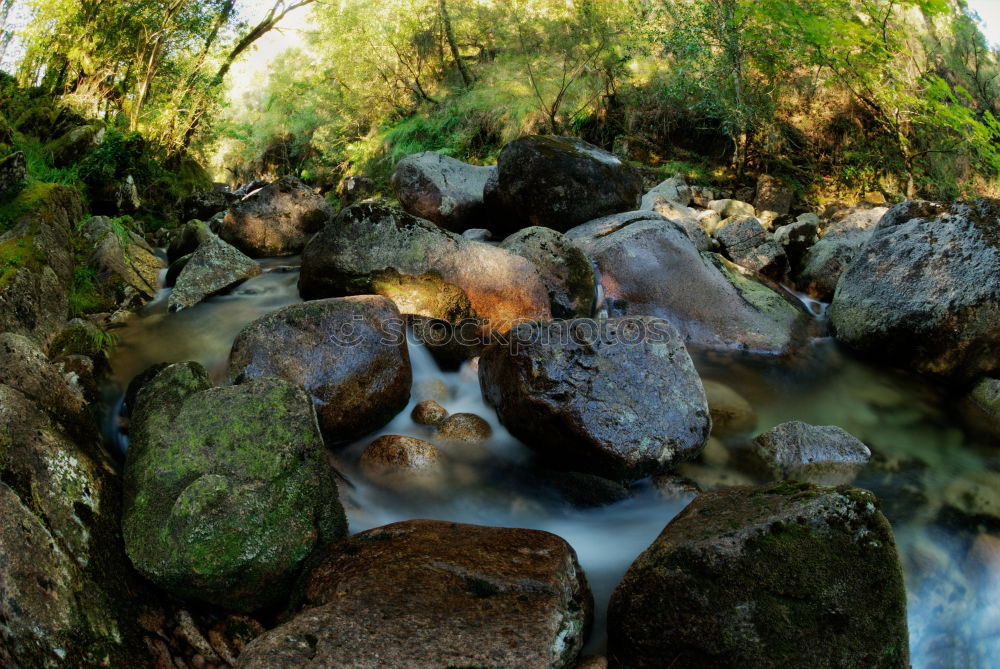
619,398
431,594
564,267
823,454
402,462
787,575
348,353
560,182
214,268
277,220
731,413
924,293
649,267
372,248
442,190
227,490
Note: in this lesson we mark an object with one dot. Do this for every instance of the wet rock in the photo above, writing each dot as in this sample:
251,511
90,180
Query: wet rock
670,488
398,461
175,269
749,245
121,256
427,593
772,195
796,239
560,182
478,235
68,600
187,239
839,245
214,268
463,428
354,189
648,267
348,353
277,220
731,413
13,172
370,247
565,269
768,576
445,191
924,293
675,189
203,205
586,491
428,412
227,490
427,296
618,398
451,344
728,208
823,454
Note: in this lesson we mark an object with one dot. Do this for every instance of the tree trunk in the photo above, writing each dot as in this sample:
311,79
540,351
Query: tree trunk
450,33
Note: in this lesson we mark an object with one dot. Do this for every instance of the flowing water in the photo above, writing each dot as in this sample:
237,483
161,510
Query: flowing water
938,476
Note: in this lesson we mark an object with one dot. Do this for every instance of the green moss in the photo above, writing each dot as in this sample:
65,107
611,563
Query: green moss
33,197
17,254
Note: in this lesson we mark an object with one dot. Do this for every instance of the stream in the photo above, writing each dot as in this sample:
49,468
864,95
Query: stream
937,474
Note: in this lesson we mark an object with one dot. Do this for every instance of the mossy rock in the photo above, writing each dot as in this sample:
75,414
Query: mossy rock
227,490
785,575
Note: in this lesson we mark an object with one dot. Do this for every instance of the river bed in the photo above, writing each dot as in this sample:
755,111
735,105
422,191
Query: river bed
937,475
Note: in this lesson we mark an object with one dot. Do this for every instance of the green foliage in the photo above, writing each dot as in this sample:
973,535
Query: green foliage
120,154
84,296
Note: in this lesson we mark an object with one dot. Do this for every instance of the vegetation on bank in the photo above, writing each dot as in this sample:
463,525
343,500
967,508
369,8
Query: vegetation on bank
836,97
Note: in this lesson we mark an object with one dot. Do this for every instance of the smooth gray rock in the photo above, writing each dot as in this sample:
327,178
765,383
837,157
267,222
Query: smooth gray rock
214,268
649,267
823,454
442,190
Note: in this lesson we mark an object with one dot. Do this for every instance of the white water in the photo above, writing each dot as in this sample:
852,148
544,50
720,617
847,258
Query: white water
954,609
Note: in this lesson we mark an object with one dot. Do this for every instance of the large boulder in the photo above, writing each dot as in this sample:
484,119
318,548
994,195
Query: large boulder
227,490
787,575
25,368
205,204
649,267
823,454
66,597
125,264
348,353
186,240
70,147
277,220
37,262
618,397
430,594
214,268
372,248
566,270
924,293
840,244
442,190
560,182
749,245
